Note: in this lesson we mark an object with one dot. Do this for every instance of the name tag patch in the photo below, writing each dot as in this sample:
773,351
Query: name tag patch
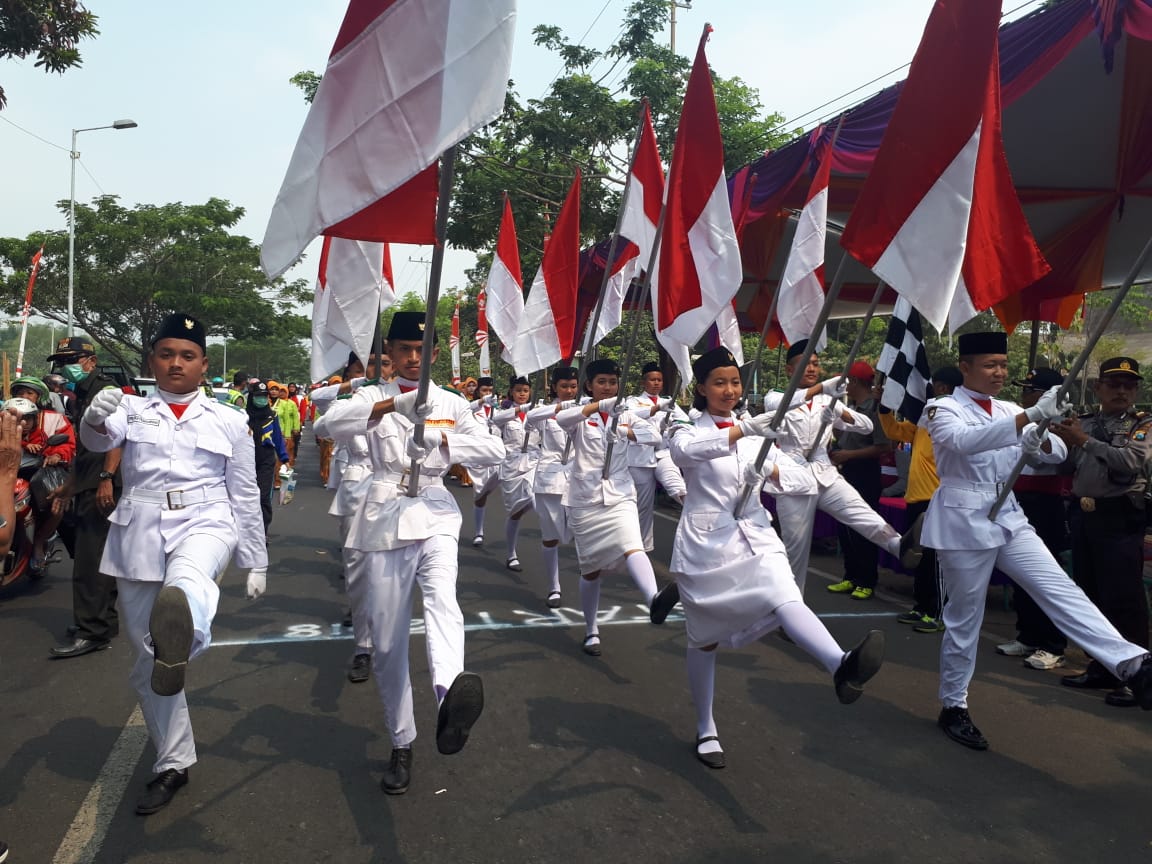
140,418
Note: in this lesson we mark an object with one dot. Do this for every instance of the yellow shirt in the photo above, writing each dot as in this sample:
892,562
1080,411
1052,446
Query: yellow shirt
922,478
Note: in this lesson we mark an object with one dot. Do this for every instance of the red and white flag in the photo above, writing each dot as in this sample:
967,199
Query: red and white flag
621,272
699,269
802,286
353,285
27,309
505,286
938,218
549,322
454,344
482,334
406,80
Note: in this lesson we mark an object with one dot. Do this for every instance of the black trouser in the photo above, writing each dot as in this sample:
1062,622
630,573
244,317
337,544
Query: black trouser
926,576
93,593
861,556
1049,516
265,474
1108,563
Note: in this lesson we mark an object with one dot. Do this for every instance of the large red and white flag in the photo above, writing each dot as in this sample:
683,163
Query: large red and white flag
802,286
482,333
621,273
354,283
938,218
699,269
505,286
454,344
406,80
548,325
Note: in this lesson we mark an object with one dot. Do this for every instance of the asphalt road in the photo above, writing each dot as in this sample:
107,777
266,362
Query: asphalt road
576,759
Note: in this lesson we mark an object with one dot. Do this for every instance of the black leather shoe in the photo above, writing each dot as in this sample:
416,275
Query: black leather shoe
459,711
1140,683
715,759
398,774
1121,697
161,790
170,626
78,648
958,726
1095,677
860,664
662,603
361,668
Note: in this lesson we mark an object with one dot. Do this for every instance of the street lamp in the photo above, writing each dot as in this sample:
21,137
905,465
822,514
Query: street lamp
75,155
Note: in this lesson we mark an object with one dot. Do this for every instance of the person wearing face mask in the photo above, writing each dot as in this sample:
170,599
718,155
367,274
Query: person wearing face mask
269,440
93,488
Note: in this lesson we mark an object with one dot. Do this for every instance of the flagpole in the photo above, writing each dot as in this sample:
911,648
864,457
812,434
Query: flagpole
1033,343
754,374
1081,363
27,309
447,167
797,375
850,360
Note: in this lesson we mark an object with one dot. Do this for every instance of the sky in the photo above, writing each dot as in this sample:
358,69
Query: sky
208,85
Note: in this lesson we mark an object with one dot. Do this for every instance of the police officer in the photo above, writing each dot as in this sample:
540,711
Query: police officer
1108,512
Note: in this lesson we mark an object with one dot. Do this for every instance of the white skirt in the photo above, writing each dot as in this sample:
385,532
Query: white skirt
553,518
484,480
604,533
517,493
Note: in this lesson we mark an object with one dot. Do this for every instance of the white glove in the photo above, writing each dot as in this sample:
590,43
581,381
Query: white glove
613,407
834,387
1048,407
257,582
356,383
829,414
490,399
103,406
1031,440
755,478
433,438
622,432
405,406
759,425
568,403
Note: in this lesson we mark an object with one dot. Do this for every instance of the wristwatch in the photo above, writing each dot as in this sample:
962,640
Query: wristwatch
107,475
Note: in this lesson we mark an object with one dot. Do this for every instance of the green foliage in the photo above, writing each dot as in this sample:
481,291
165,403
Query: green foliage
134,266
50,29
308,82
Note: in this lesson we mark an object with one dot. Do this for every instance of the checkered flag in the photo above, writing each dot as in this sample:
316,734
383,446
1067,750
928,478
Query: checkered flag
905,363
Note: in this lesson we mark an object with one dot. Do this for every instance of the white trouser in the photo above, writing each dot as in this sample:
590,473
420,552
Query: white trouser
797,514
645,481
1027,562
192,567
353,566
384,590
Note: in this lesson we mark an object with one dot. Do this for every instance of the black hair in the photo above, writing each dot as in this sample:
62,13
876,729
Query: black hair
950,376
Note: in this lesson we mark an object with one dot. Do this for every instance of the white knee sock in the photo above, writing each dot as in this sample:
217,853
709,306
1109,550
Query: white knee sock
702,682
511,533
590,603
809,633
640,569
552,566
478,514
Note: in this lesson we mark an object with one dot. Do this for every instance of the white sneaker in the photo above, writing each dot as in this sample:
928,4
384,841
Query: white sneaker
1015,648
1041,659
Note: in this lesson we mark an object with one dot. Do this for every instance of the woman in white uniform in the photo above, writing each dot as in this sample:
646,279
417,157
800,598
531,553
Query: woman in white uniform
518,470
735,581
602,511
485,478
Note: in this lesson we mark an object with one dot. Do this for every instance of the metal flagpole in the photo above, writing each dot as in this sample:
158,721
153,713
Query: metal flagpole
1081,362
1033,343
850,360
754,374
447,167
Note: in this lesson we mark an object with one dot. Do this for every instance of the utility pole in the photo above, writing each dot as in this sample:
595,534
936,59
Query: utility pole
687,4
427,271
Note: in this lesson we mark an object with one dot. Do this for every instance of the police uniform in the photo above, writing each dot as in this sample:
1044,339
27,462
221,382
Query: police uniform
650,464
190,501
976,444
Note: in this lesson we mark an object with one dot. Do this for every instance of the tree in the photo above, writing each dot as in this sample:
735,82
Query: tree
134,266
50,29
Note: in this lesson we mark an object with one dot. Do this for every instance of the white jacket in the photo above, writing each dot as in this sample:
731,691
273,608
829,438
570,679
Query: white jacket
590,436
801,425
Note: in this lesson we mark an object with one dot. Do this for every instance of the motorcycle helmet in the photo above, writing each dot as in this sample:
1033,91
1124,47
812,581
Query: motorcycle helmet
217,381
27,382
22,407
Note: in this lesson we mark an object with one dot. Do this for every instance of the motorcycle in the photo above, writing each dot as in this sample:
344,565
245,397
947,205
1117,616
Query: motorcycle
18,561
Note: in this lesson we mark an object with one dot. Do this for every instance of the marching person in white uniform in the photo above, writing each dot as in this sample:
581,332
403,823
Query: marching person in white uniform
518,470
190,501
551,478
602,512
733,573
485,478
812,405
977,440
403,541
651,464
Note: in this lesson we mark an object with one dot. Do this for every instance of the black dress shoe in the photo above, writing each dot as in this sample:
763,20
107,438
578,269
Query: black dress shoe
662,603
1121,697
858,666
1095,677
361,668
161,790
78,648
398,774
459,711
170,626
1140,683
715,759
958,726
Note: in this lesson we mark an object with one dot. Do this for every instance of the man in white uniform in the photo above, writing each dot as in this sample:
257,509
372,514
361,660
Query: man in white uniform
650,464
400,541
977,440
811,411
190,501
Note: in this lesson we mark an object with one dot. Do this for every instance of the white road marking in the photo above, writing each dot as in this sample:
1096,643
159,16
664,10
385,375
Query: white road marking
81,845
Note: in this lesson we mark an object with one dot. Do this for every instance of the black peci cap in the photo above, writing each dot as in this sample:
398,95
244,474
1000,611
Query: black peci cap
649,367
796,349
181,326
409,327
602,366
565,373
990,342
714,359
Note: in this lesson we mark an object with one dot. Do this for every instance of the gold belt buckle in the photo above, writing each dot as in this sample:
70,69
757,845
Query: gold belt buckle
1088,505
178,503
